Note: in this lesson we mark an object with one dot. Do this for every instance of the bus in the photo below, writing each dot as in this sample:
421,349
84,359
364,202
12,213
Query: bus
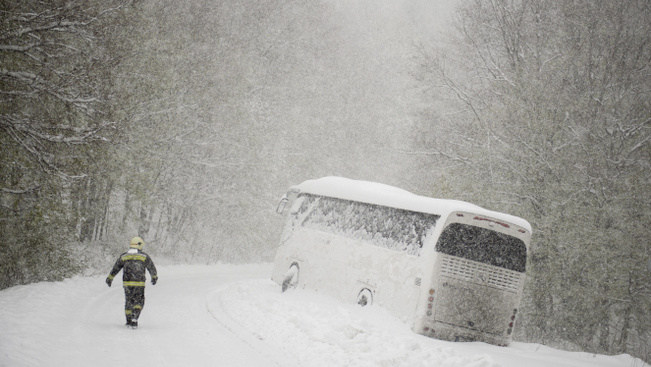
449,269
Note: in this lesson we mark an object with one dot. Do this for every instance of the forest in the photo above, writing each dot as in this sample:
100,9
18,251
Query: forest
185,122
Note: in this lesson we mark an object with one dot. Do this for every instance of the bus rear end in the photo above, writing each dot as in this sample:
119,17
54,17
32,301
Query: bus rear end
477,280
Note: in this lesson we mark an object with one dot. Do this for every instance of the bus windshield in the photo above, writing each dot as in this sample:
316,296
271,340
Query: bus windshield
483,245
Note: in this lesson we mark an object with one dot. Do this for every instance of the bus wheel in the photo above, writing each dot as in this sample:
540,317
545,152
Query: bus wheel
291,278
365,297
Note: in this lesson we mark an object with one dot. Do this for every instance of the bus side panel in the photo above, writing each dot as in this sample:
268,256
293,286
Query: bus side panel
400,285
342,267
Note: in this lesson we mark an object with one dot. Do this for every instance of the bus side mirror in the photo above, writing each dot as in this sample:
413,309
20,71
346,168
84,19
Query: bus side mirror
282,204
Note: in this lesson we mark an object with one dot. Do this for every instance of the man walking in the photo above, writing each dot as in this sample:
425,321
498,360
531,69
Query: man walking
134,262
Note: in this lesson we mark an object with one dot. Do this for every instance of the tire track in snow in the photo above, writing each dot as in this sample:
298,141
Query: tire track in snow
215,307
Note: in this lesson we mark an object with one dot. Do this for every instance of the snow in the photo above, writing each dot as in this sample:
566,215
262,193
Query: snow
230,315
381,194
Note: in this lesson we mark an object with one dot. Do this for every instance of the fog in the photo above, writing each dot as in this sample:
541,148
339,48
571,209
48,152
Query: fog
184,124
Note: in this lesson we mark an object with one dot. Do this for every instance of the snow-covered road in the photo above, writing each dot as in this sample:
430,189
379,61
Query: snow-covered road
80,322
227,315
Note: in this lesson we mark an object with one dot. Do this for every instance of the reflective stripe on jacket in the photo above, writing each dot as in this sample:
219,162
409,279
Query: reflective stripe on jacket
134,263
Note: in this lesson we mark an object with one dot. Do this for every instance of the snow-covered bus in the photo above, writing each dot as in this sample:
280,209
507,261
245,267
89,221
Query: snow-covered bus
450,269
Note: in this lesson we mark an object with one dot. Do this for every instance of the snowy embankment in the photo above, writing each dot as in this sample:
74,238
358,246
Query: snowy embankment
229,315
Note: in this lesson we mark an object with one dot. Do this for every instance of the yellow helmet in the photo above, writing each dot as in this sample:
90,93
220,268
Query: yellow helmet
137,242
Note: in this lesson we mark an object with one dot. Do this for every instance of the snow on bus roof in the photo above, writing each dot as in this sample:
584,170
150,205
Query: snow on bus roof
385,195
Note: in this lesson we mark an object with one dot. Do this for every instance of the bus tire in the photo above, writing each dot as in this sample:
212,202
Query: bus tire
291,278
365,297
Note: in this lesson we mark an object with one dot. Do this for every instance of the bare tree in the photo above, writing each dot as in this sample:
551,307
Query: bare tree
551,121
53,122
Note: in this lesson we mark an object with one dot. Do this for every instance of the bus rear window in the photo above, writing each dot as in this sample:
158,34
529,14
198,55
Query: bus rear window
483,245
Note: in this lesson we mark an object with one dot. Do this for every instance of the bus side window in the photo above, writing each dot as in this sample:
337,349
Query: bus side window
390,228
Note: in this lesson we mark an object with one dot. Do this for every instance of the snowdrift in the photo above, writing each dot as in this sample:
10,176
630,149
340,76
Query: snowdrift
230,315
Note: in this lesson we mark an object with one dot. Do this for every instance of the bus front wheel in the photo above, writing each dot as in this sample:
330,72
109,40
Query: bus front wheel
365,297
291,278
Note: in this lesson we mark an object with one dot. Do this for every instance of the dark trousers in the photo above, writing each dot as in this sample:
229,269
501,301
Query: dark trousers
134,301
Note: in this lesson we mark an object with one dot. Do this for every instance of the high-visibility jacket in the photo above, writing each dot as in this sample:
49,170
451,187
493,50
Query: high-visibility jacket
134,262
